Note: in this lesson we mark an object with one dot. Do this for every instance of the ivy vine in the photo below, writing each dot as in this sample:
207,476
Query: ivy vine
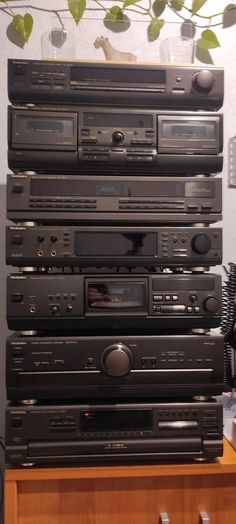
153,10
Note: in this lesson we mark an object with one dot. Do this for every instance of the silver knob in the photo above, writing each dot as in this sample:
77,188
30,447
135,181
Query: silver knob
203,81
117,360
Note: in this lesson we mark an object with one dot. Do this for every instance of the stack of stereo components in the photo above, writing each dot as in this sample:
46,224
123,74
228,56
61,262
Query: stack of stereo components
112,200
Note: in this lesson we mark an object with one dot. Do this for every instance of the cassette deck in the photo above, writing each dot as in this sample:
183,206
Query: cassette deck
79,139
39,301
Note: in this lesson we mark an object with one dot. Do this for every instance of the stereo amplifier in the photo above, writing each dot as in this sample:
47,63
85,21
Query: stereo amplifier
98,366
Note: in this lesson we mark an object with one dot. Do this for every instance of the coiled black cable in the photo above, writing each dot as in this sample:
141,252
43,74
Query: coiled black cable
228,322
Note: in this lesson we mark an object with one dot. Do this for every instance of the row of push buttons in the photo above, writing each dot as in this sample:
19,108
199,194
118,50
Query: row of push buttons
114,434
167,298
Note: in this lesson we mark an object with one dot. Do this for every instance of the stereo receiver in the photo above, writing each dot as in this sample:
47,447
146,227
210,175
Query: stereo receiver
123,431
101,366
103,301
107,83
80,139
113,245
98,199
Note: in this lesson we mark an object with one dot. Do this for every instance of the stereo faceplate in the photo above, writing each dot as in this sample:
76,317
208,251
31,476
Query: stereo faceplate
112,200
116,84
107,301
98,366
120,246
128,431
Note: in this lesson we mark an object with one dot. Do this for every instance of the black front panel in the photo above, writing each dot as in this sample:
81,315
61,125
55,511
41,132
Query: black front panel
165,143
100,199
110,84
98,245
77,301
98,366
144,431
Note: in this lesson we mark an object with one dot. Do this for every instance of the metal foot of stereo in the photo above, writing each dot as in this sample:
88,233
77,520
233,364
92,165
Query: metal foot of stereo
145,431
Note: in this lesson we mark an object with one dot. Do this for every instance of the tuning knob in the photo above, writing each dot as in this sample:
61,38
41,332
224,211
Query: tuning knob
117,137
203,81
201,244
117,360
211,304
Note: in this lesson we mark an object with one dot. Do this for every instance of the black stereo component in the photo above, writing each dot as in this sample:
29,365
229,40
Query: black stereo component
108,301
124,431
84,140
106,83
113,245
101,366
98,199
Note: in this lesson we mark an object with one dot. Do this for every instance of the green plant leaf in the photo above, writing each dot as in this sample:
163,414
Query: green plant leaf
208,40
229,16
154,28
196,6
177,4
23,25
114,14
158,7
77,8
130,2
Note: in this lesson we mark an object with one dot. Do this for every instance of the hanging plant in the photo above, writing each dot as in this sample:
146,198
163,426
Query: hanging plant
154,12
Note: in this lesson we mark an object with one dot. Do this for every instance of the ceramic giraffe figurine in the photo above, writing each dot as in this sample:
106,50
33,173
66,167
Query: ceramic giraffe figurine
111,53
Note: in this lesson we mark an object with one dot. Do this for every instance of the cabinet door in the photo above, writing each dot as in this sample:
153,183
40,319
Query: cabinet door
101,501
215,495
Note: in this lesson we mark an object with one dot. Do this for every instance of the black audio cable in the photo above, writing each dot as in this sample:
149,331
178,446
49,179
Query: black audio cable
228,323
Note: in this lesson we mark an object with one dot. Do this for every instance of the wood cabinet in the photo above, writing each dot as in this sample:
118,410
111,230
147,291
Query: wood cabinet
127,494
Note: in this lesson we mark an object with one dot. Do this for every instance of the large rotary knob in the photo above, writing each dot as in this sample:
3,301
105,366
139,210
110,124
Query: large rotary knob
211,304
117,360
117,137
203,81
201,244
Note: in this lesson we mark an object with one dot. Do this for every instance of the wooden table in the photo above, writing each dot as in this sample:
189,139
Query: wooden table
135,494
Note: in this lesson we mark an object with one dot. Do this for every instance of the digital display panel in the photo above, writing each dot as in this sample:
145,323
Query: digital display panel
116,420
118,75
115,244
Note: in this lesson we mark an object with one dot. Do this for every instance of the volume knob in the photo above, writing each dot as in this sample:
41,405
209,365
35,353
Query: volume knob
211,304
201,244
117,137
203,81
117,360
